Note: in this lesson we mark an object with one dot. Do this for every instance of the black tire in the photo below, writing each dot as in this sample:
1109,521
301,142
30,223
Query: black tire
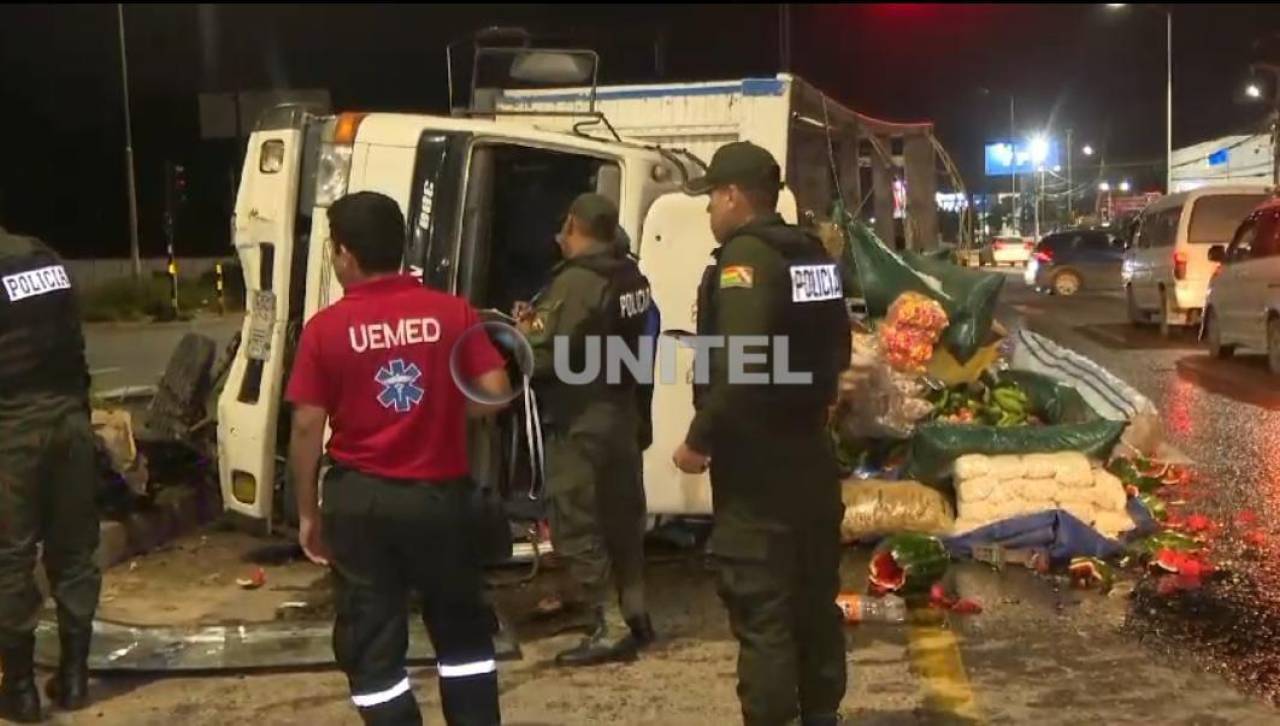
1166,329
1213,335
1136,316
1273,345
1067,283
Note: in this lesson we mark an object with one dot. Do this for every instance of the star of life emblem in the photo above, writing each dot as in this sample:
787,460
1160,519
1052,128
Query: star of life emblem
400,389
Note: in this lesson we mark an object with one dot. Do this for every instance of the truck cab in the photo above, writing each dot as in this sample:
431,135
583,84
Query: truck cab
483,200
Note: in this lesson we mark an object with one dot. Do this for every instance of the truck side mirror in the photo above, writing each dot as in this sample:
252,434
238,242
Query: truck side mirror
1218,253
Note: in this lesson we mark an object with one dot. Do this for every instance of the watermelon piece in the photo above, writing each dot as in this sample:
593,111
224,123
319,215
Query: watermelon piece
1155,505
1187,564
908,563
1176,541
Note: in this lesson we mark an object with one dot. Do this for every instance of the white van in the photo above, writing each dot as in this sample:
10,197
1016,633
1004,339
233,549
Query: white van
1243,309
1167,269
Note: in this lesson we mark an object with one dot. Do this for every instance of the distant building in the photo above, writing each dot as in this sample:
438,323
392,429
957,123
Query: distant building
1229,160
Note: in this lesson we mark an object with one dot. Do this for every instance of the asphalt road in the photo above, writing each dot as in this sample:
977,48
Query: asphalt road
1038,653
135,354
1225,416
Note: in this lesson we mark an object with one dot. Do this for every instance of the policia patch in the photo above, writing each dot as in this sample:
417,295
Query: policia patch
814,283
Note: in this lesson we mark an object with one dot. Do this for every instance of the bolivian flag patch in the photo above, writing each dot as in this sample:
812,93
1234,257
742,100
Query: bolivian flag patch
737,276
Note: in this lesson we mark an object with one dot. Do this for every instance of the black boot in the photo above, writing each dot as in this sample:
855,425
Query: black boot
642,630
69,687
603,645
19,698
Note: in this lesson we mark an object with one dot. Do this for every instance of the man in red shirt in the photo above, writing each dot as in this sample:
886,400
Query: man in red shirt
398,510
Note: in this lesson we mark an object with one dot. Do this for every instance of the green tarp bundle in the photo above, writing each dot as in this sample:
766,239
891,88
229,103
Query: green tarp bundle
969,297
1071,425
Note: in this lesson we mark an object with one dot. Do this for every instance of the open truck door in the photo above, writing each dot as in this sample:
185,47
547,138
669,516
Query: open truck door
675,250
269,234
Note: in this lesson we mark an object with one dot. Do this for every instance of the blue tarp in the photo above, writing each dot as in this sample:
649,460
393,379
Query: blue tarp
1055,531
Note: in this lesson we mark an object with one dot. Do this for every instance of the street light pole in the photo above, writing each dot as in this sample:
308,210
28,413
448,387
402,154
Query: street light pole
1013,169
1039,202
134,248
1071,192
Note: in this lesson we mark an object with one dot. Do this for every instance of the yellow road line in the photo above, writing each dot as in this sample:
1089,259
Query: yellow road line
935,656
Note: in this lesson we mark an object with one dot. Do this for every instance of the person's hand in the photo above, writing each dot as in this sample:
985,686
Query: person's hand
522,311
690,461
311,537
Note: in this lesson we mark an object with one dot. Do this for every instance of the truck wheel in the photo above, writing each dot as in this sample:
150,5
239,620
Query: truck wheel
1066,283
1273,345
1165,314
1136,316
1213,332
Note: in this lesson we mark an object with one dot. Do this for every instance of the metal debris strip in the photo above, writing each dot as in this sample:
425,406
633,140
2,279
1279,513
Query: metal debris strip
121,647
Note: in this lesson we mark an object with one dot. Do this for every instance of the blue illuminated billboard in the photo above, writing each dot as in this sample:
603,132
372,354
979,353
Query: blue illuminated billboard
1026,157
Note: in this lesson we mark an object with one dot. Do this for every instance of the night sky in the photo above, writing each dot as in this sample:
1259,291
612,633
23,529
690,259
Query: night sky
1097,71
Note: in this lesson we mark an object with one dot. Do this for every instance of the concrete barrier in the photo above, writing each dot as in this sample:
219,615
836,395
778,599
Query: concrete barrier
89,274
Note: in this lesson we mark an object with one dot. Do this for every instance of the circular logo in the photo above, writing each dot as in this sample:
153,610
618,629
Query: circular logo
513,347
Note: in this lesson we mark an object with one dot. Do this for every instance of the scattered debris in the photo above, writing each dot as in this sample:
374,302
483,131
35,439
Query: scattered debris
253,582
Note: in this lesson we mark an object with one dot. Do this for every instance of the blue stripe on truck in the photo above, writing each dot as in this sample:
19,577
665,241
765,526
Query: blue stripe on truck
748,87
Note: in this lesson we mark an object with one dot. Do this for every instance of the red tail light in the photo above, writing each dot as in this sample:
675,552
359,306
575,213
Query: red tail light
997,245
1179,265
1044,256
1030,246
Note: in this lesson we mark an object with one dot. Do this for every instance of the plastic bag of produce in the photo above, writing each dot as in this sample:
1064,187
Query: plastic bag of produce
909,332
1072,426
874,508
876,401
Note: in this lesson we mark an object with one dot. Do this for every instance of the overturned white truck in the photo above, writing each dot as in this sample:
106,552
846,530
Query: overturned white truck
483,191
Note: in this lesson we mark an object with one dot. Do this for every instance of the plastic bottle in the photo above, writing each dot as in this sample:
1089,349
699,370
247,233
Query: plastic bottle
865,609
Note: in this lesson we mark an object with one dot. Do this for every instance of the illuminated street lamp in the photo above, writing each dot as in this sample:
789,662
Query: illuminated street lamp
1253,90
1104,187
1124,186
1087,150
1039,149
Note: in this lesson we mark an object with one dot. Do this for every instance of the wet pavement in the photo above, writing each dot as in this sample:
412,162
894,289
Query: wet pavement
1224,415
1040,652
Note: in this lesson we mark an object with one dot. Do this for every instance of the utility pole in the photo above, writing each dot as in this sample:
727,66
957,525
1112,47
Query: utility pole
1013,176
1274,70
134,249
1039,202
1071,191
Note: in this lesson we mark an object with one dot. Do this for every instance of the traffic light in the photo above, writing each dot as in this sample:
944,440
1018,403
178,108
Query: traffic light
176,183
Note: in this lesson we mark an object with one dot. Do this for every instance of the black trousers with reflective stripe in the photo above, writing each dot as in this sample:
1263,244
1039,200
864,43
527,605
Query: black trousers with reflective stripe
389,538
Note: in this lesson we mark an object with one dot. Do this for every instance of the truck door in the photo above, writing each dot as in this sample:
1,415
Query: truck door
511,209
270,234
674,251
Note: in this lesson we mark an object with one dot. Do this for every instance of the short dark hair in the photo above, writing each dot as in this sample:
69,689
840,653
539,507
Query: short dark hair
763,198
598,216
371,227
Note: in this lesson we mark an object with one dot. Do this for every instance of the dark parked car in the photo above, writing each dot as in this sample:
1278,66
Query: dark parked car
1066,262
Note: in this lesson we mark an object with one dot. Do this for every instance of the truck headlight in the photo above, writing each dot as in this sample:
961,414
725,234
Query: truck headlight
333,173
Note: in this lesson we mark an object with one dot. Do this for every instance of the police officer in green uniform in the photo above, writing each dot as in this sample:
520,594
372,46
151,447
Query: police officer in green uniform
48,478
592,430
775,487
